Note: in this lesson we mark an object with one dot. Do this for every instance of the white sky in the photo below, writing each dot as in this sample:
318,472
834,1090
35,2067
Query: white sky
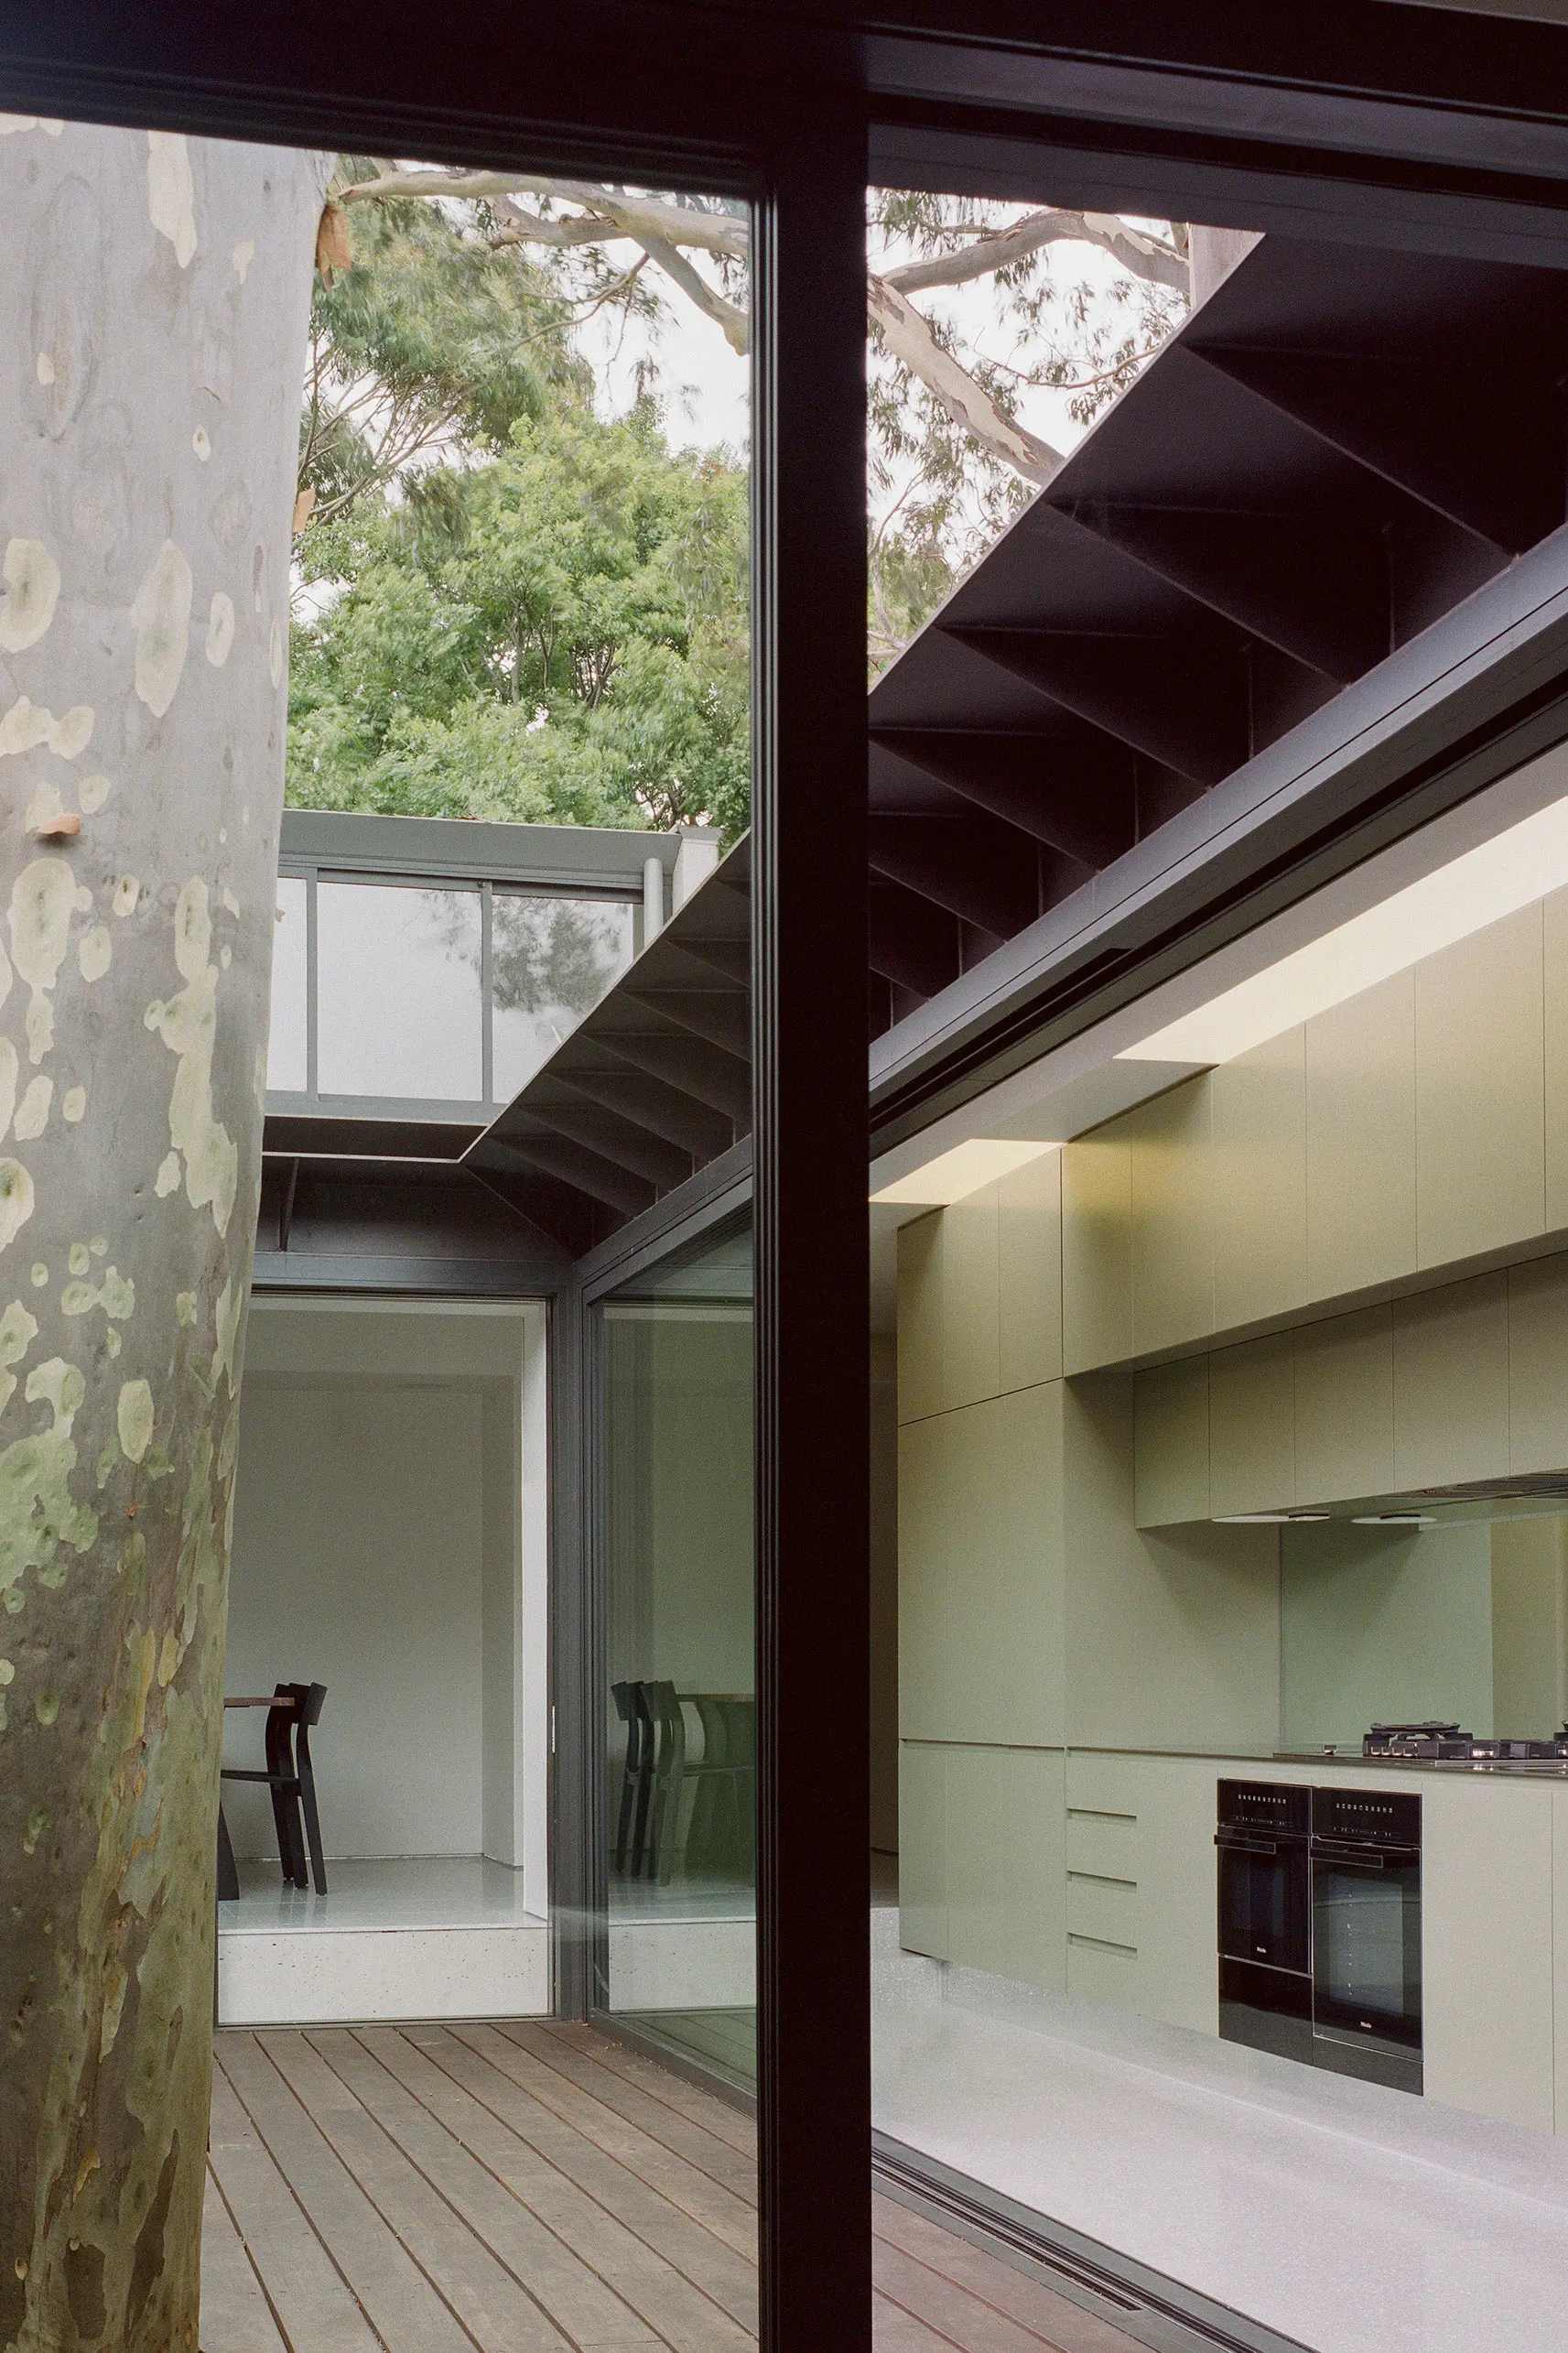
705,382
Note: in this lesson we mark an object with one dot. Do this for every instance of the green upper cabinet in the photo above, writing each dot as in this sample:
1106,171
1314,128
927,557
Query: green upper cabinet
1538,1365
1420,1126
1554,958
979,1293
971,1301
920,1319
1029,1263
1344,1407
1252,1426
1463,1381
1259,1183
1450,1384
1097,1248
1479,1093
1171,1480
1360,1072
1173,1216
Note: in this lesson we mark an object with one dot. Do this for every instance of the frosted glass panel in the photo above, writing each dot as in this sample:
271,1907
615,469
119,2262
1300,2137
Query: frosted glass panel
551,961
399,1007
286,1047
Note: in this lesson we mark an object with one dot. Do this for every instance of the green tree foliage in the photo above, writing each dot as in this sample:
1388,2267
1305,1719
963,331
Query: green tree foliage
507,607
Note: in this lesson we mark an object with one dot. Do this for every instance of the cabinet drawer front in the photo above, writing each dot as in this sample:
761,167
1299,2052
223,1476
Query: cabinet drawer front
1104,1845
1105,1909
1102,1972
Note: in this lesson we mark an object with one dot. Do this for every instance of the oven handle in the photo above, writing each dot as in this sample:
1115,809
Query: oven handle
1368,1858
1227,1844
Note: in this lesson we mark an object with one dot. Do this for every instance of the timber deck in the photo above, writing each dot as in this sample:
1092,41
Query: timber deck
531,2189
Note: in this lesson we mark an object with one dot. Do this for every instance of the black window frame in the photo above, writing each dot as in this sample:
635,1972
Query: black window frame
1406,123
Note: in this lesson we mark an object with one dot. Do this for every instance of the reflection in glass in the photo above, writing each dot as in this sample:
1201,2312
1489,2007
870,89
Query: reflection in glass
399,1005
680,1779
287,1064
551,961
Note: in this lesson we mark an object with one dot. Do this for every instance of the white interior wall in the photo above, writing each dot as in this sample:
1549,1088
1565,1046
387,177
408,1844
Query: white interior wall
391,1514
357,1562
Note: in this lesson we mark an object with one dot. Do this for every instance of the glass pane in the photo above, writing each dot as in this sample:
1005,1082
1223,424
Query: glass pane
679,1946
551,961
399,991
287,1067
1362,1944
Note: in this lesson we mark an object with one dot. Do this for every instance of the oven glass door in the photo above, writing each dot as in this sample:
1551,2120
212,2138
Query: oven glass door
1367,1947
1263,1901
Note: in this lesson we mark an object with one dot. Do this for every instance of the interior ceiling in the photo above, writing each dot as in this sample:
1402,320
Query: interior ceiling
1338,445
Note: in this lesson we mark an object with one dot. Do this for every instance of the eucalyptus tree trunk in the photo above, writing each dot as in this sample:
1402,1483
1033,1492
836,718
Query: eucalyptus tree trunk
154,292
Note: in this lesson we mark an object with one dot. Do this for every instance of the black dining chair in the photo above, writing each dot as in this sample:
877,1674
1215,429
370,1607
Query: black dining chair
631,1818
288,1776
721,1777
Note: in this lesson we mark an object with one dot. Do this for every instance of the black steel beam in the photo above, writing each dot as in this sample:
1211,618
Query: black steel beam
663,1110
722,1016
985,873
1313,586
574,1164
1182,701
615,1138
909,941
689,1063
732,957
1412,420
1075,794
563,1211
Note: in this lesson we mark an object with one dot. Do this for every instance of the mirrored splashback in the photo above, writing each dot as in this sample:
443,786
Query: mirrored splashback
1461,1619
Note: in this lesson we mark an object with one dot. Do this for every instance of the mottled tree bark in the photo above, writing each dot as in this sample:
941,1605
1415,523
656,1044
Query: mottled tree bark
154,293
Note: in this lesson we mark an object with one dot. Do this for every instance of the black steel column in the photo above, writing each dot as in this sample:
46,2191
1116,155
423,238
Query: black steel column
809,1038
574,1785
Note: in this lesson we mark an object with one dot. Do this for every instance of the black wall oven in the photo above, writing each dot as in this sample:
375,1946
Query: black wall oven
1366,1935
1265,1917
1320,1926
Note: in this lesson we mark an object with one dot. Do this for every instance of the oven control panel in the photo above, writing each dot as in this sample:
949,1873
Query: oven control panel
1270,1806
1367,1816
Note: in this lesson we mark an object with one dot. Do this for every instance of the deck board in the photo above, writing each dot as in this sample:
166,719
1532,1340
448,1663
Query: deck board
721,2117
392,2288
1063,2326
557,2068
316,2309
691,2286
509,2215
546,2189
234,2312
490,2066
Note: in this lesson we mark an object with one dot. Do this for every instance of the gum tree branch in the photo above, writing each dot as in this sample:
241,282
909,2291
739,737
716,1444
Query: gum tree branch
909,337
713,233
1142,256
665,231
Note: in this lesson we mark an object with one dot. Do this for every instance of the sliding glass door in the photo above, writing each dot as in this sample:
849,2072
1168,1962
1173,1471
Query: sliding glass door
676,1942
